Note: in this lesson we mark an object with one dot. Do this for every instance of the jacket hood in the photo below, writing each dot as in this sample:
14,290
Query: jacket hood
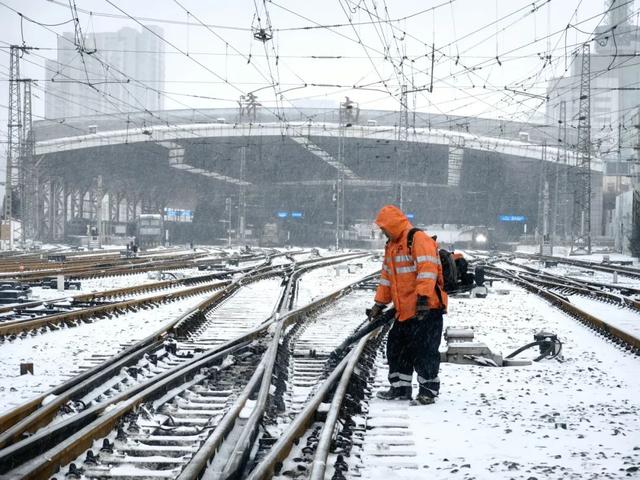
393,221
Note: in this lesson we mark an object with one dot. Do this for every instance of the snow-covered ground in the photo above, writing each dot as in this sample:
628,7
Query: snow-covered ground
576,419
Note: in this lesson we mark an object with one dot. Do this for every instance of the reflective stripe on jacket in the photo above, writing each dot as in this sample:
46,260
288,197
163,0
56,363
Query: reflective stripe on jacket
404,274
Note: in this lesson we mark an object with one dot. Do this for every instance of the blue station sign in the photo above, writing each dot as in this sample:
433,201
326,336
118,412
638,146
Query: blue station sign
286,214
512,218
178,215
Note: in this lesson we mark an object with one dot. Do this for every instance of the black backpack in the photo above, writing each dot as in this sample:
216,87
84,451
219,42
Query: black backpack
449,270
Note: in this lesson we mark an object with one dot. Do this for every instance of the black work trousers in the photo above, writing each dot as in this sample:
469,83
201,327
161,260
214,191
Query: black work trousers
413,345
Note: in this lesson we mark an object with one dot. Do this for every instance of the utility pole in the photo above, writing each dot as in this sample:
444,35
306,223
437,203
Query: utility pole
99,212
28,173
403,139
14,141
619,158
582,213
348,114
561,202
340,185
227,204
242,204
546,247
18,120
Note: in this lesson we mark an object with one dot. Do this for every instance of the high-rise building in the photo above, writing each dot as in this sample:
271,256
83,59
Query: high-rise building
615,84
117,72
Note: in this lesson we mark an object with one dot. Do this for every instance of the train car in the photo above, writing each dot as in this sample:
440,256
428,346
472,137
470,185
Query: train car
270,235
451,237
150,230
476,238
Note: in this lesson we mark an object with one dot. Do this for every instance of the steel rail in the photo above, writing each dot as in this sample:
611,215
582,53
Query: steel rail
71,253
100,423
85,272
198,464
130,266
55,431
15,327
569,284
620,299
27,260
77,255
280,450
146,287
248,430
33,414
626,339
116,292
578,282
297,427
319,464
609,268
86,269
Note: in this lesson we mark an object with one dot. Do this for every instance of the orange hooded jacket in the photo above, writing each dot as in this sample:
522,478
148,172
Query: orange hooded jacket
405,275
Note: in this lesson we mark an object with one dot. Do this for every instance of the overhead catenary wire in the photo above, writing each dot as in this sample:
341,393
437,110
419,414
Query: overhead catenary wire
248,29
510,99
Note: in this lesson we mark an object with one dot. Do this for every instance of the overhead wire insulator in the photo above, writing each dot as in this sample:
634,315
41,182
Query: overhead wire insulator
262,34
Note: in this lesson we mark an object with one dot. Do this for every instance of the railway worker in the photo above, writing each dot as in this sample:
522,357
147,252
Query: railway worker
412,279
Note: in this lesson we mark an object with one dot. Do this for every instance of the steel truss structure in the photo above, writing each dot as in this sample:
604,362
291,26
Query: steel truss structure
581,231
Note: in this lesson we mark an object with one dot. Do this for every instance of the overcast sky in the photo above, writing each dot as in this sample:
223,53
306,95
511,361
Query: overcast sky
468,36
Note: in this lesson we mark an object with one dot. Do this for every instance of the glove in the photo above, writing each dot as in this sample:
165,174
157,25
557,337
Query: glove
423,312
375,311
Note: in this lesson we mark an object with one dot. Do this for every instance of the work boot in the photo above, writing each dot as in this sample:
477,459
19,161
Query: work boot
395,393
423,399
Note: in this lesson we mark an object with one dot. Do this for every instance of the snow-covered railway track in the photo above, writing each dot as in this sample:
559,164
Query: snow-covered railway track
231,318
572,276
10,329
623,270
41,308
155,364
606,328
43,315
159,439
609,293
112,268
323,395
297,373
310,348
